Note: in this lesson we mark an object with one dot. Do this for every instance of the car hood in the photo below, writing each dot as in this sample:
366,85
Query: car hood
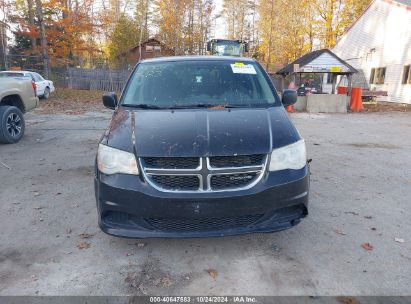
200,132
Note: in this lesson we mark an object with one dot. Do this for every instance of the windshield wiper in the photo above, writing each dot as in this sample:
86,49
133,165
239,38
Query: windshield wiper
205,105
142,106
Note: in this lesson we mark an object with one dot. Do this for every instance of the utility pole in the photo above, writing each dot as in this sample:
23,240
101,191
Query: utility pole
43,39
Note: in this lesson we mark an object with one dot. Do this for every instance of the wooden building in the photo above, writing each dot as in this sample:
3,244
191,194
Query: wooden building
149,49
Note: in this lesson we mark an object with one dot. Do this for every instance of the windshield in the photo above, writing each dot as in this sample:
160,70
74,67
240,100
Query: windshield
6,74
227,49
194,83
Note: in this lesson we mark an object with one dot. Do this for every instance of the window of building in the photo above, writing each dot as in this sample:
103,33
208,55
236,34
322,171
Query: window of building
377,75
157,48
406,78
149,48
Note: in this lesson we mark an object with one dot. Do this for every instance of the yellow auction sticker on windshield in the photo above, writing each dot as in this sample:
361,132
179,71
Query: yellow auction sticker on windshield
241,68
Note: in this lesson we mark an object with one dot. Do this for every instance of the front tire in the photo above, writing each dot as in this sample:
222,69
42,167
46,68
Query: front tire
12,124
46,93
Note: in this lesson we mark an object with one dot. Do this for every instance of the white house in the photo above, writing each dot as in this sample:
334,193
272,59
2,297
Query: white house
379,44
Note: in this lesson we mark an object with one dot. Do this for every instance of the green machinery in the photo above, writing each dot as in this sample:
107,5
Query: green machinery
227,47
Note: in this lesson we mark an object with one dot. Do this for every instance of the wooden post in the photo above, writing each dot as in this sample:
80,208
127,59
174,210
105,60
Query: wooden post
282,83
349,84
334,83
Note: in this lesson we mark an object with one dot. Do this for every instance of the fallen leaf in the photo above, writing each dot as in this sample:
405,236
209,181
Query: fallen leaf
130,279
128,254
398,240
373,229
339,231
36,194
367,246
38,207
368,217
68,230
85,235
212,272
166,282
351,212
83,245
347,300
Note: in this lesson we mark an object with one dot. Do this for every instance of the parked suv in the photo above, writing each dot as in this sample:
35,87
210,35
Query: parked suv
200,146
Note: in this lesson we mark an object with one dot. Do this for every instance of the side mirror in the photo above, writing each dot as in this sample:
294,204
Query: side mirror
110,100
209,46
289,97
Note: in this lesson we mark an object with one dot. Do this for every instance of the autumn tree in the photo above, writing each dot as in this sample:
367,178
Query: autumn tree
236,14
183,24
125,35
4,10
143,14
43,39
289,29
335,16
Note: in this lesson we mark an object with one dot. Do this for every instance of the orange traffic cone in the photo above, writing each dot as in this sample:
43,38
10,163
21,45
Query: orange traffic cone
290,109
356,102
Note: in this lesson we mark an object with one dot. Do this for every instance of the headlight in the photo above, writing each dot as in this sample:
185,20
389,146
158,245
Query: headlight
293,156
111,161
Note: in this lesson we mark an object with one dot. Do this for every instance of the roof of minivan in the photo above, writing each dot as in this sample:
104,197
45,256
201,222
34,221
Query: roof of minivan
198,58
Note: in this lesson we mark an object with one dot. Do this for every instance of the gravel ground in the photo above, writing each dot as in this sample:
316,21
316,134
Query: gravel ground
361,189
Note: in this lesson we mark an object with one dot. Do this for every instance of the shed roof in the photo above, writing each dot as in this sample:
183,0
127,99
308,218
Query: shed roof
309,58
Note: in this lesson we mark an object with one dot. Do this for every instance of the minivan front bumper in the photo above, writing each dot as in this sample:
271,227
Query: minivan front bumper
129,207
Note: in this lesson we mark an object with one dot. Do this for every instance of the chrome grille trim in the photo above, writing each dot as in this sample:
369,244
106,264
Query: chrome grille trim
204,173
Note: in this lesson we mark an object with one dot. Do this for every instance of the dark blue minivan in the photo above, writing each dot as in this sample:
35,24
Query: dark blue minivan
200,146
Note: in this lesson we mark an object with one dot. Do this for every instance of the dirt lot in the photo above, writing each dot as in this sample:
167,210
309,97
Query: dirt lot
361,189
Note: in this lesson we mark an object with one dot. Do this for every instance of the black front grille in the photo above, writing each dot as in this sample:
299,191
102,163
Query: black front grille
236,161
227,181
202,224
171,162
177,182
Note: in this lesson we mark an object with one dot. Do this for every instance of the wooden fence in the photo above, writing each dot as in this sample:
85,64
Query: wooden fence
108,80
96,79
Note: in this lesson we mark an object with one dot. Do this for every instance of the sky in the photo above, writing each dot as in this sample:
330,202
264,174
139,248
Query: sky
219,28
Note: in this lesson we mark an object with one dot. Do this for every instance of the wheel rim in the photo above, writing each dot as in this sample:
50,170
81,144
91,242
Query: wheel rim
13,124
46,93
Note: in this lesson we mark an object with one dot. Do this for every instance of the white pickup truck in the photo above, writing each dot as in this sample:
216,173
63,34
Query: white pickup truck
17,96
